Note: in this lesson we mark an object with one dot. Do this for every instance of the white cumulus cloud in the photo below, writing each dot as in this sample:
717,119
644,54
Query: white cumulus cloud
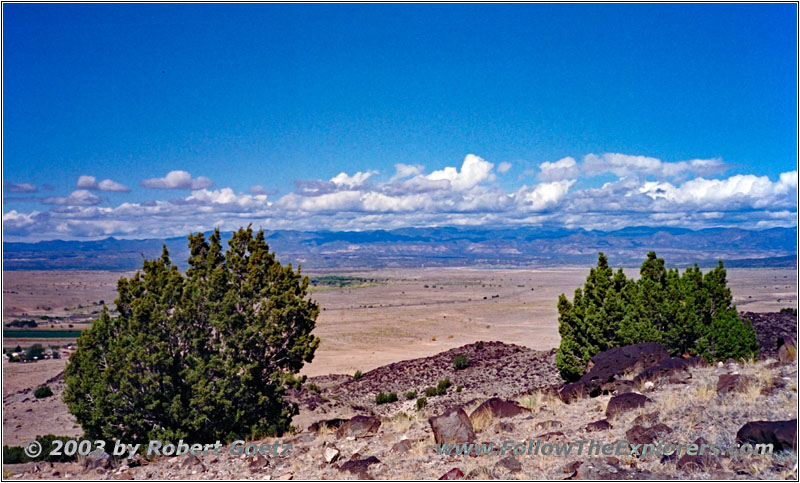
178,180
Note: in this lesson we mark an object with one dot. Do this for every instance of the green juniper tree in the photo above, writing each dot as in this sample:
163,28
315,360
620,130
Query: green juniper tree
690,313
201,356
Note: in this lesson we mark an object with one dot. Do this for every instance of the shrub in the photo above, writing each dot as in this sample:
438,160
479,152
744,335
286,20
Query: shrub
687,313
789,310
421,403
16,454
43,392
479,345
460,361
357,375
443,385
382,398
431,391
458,389
202,355
411,394
313,388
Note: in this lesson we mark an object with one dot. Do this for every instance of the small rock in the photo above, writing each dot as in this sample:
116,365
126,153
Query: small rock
642,435
190,461
545,425
97,459
331,453
402,446
728,383
454,474
510,463
625,402
600,425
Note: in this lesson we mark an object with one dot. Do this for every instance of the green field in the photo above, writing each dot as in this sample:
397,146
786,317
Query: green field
41,334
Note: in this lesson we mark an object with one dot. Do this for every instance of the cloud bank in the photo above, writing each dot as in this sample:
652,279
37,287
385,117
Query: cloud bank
567,192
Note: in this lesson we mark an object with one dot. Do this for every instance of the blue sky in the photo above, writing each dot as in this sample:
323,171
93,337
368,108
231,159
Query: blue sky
544,114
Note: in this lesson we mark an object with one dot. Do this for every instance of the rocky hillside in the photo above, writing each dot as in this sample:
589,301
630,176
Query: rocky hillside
510,393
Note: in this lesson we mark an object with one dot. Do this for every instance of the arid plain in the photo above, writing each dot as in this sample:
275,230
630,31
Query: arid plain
376,317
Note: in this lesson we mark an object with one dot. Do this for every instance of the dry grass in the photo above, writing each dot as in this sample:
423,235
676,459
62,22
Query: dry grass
482,420
402,422
537,400
705,391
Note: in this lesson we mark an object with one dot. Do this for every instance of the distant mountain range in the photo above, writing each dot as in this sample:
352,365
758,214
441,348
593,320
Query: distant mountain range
441,247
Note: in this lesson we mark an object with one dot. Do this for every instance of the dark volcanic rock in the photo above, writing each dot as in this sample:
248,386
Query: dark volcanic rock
772,328
496,369
358,427
625,402
330,423
510,463
698,462
728,383
781,434
499,408
601,425
608,366
97,459
402,446
359,467
453,426
454,474
668,367
642,435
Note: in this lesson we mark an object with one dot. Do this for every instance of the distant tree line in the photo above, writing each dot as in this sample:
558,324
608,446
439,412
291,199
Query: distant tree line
690,313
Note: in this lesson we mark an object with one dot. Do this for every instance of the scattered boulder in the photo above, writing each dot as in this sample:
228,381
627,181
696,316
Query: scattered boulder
609,366
572,391
617,387
499,408
644,435
454,474
625,402
358,427
729,383
698,462
453,426
510,463
672,367
190,461
781,434
330,453
258,462
327,423
359,467
97,459
772,329
600,425
402,446
545,425
552,436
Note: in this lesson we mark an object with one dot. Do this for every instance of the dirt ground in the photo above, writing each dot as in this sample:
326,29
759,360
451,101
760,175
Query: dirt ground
404,314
